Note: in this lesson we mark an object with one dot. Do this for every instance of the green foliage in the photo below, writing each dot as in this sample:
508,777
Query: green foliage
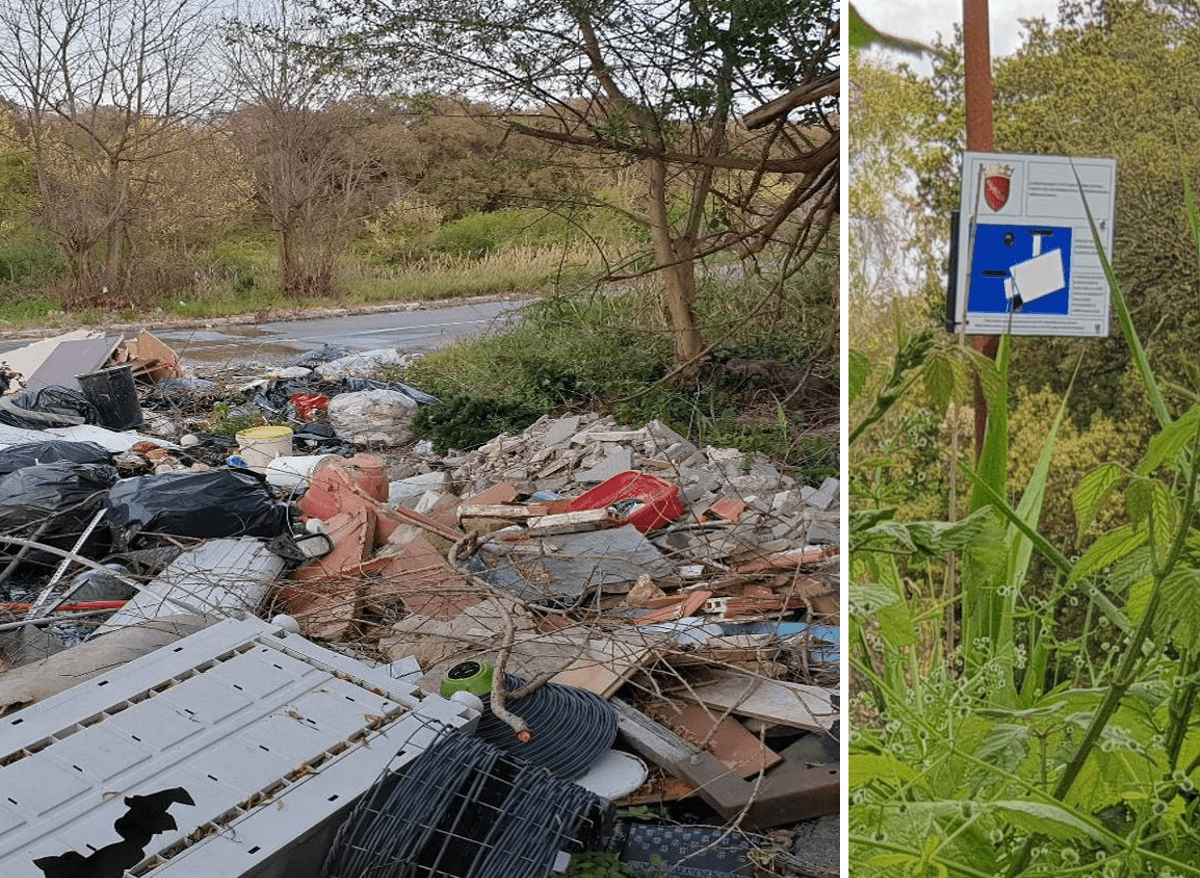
25,255
1054,732
464,422
593,864
610,353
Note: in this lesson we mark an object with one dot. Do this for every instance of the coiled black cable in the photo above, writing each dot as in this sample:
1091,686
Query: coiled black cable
462,809
571,727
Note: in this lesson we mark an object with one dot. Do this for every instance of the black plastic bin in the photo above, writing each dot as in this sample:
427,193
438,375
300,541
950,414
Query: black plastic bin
114,394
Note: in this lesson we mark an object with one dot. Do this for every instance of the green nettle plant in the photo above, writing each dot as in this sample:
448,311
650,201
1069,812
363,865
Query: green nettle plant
990,737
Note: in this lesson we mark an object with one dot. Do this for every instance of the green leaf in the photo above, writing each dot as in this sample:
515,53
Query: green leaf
1055,821
1180,605
1093,489
868,767
867,600
940,381
1169,441
1157,403
993,462
896,625
1005,746
1109,548
859,369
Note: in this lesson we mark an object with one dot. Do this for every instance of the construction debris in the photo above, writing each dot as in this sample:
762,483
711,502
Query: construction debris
547,592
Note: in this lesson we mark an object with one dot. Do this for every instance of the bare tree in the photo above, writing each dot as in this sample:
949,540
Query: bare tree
318,170
102,92
721,105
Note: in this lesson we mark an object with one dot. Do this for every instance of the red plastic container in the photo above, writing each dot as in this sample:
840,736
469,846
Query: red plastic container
309,404
661,500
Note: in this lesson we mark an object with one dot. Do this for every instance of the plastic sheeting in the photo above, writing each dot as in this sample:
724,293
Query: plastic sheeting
223,503
17,457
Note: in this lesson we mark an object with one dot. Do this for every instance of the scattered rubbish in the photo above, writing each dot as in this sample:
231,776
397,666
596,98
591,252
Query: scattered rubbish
34,682
568,728
645,501
236,715
219,578
578,601
70,360
48,407
372,417
614,774
16,457
296,471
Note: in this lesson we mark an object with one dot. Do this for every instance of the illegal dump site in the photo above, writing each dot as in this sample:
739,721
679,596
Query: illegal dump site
319,648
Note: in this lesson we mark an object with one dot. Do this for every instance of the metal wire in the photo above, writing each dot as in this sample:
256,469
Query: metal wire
571,727
463,809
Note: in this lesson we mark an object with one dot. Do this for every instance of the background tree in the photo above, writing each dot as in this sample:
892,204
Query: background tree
316,162
1118,78
720,105
102,95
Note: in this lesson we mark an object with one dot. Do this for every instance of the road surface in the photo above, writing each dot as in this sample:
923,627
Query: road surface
278,342
414,331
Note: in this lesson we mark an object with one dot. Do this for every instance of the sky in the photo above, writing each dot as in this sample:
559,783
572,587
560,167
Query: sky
924,19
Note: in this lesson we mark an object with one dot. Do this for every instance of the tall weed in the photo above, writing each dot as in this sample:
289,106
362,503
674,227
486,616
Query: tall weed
987,743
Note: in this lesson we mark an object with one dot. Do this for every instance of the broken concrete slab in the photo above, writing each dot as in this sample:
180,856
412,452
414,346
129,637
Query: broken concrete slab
580,564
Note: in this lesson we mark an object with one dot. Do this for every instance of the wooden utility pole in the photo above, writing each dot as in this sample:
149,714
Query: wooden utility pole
977,62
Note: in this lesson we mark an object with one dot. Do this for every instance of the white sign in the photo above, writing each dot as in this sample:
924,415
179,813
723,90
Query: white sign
1027,263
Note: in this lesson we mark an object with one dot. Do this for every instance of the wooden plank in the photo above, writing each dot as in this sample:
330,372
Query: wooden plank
606,666
501,510
793,704
568,522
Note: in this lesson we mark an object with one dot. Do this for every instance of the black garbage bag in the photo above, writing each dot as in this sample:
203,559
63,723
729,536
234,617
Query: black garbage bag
223,503
420,397
66,495
16,457
52,406
326,353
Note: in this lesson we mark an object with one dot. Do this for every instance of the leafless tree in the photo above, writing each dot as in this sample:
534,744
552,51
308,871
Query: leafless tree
317,165
103,93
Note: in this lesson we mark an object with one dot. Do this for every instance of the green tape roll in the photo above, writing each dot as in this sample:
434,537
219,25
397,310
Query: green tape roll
469,676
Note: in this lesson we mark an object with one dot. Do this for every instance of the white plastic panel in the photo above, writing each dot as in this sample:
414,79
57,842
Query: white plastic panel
268,733
218,577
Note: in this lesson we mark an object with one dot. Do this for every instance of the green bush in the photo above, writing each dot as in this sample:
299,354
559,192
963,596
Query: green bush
465,422
25,256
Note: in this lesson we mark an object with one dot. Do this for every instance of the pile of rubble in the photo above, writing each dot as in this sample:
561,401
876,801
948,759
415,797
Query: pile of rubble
645,620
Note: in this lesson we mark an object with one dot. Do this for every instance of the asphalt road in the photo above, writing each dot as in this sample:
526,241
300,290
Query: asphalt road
411,331
277,342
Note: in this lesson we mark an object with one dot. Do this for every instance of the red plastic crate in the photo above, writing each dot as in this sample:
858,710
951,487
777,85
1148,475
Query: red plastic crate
661,499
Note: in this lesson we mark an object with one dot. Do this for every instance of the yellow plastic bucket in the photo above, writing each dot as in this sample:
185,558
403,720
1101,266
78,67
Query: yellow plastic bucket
258,446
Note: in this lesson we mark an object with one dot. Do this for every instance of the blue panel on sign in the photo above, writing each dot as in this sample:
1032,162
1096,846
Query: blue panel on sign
1020,268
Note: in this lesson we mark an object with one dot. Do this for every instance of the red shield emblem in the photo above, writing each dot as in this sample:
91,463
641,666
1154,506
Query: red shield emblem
995,186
